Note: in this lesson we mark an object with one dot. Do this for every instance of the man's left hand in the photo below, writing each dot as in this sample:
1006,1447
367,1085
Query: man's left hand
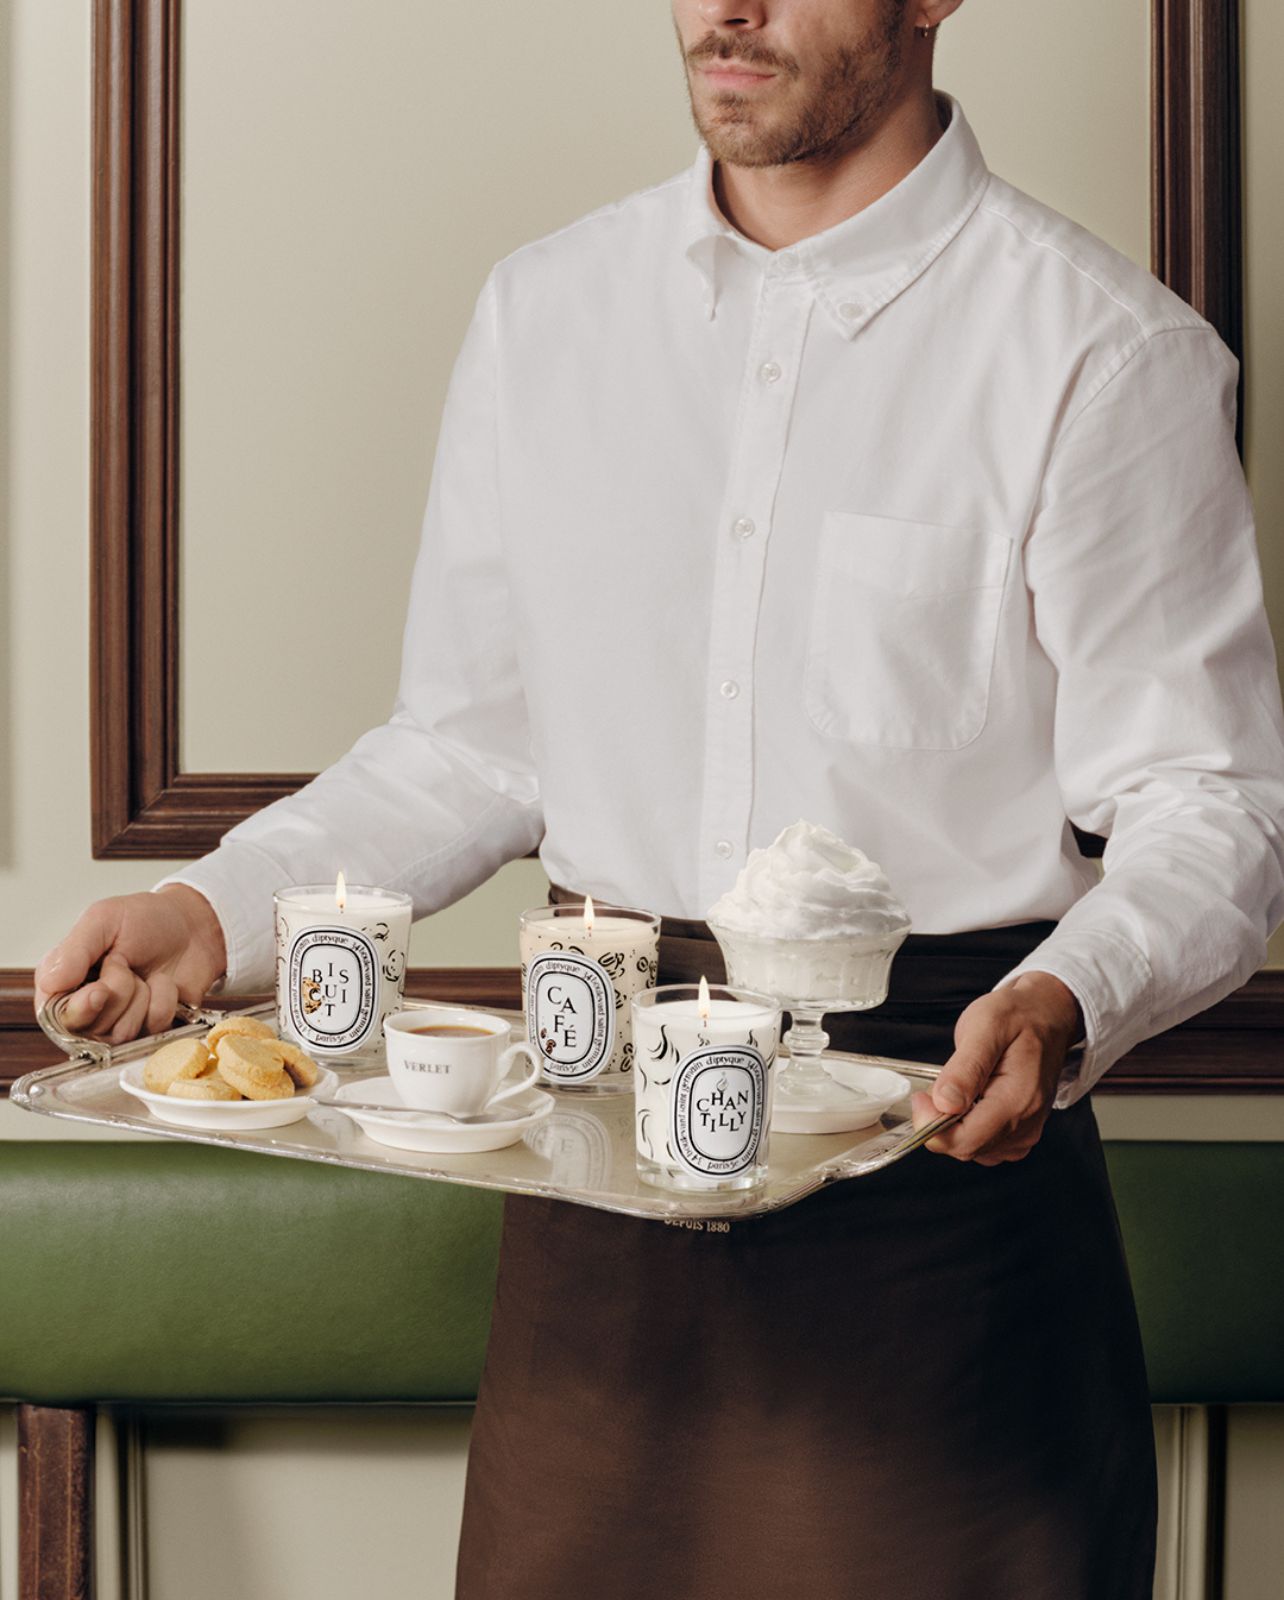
1009,1050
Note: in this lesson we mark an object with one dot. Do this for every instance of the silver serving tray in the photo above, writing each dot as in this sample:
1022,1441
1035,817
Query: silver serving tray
583,1152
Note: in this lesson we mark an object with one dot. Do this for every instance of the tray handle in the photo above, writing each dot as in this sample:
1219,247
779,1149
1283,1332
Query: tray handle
892,1146
50,1018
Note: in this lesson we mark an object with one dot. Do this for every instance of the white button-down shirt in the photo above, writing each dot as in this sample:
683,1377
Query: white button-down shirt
929,528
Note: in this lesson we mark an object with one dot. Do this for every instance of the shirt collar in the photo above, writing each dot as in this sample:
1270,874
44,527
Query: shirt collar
861,263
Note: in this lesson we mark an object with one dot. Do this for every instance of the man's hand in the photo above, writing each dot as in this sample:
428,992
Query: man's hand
150,950
1009,1049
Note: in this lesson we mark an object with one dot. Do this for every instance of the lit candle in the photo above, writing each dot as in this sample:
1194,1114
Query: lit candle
703,1082
581,965
340,967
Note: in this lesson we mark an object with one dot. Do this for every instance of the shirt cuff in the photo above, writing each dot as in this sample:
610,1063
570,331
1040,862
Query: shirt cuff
1111,979
239,881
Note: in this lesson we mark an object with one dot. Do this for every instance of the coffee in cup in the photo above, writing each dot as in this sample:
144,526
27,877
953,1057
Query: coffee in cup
444,1058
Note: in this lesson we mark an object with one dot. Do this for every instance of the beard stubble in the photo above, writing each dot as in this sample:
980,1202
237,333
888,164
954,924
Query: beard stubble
853,86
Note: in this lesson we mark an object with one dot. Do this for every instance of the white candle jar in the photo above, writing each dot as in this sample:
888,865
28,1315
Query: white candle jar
704,1077
581,965
340,969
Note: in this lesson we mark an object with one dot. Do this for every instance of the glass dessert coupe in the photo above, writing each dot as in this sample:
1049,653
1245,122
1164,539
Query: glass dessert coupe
810,978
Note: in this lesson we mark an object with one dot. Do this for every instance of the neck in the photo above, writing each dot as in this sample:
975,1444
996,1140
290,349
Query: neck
777,206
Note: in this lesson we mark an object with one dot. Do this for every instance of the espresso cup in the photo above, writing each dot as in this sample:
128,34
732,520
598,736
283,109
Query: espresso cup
459,1072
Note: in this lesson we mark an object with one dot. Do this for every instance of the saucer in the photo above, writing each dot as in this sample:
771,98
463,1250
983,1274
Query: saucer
229,1116
431,1133
854,1096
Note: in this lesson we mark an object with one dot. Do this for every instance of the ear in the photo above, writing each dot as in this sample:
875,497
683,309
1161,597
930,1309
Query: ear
932,12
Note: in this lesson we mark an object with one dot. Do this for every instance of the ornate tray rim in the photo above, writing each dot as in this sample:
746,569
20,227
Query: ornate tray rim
868,1151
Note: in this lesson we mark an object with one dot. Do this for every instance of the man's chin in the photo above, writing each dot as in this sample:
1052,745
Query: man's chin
740,147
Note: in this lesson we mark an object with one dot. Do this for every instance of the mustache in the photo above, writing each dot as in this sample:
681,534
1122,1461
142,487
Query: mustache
750,54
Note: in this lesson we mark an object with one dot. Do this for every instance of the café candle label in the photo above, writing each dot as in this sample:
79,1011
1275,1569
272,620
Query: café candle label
333,985
717,1102
570,1014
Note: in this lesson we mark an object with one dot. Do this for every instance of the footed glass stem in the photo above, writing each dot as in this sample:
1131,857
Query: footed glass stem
803,1074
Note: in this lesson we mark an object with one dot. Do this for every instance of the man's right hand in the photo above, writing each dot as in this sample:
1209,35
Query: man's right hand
150,950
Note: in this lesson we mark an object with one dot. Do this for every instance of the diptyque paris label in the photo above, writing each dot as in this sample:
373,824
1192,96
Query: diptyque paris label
570,1014
717,1104
334,987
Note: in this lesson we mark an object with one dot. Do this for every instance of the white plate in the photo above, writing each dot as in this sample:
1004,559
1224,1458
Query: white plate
436,1135
226,1115
856,1098
870,1093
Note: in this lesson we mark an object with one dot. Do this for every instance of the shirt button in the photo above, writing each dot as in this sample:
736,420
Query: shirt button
849,311
769,371
724,848
729,690
745,527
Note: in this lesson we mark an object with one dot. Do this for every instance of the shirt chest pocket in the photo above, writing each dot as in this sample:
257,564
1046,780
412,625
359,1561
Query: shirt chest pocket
903,628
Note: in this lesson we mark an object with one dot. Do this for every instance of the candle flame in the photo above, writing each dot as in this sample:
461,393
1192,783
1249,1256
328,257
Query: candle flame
588,913
703,1002
341,891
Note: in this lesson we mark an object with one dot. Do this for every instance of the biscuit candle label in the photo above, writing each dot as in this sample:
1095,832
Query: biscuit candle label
570,1014
333,987
717,1110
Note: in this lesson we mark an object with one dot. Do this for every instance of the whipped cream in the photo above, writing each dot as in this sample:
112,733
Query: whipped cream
809,884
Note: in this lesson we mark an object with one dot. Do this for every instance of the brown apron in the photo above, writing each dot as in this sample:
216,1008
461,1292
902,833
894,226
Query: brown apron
923,1384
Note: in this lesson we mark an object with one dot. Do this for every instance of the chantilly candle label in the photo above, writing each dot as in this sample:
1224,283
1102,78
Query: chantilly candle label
570,1014
716,1108
334,979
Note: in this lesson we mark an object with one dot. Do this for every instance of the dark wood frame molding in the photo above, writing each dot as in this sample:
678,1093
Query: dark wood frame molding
143,806
1195,145
1232,1048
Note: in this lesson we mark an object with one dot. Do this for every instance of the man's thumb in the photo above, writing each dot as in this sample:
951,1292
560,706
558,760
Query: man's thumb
961,1079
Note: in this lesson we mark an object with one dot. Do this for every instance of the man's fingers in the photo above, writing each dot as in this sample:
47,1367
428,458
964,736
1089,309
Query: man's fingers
105,1000
162,1004
968,1137
968,1070
982,1033
81,1011
69,963
131,1021
1003,1114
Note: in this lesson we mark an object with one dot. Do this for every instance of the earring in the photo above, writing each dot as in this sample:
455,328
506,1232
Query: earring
927,31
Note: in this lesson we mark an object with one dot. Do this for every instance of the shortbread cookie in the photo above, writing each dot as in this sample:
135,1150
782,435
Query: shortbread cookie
250,1027
180,1058
211,1087
254,1067
301,1067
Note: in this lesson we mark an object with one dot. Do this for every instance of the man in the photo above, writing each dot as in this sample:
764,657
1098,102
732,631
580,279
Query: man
833,477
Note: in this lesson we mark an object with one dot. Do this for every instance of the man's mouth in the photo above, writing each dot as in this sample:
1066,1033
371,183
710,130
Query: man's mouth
732,75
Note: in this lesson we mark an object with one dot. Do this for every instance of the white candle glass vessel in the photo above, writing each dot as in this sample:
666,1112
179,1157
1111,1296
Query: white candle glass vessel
810,978
581,965
340,968
704,1060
